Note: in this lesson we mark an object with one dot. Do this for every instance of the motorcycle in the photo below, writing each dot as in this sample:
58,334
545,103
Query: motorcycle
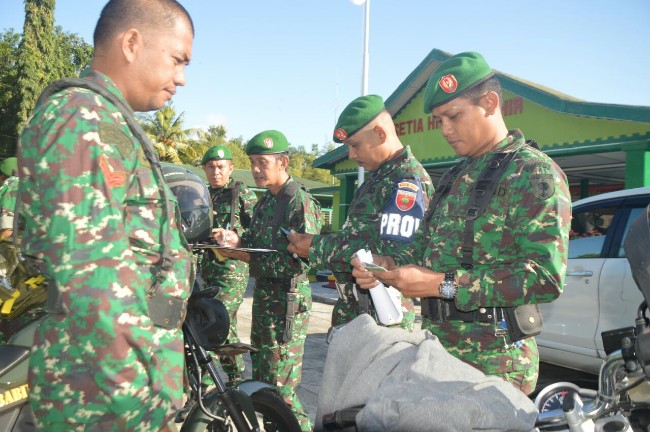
246,406
621,401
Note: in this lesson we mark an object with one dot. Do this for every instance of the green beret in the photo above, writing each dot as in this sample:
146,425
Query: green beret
267,142
356,115
8,166
453,77
217,152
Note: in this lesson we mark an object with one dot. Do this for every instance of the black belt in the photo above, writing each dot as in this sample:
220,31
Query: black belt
445,310
293,281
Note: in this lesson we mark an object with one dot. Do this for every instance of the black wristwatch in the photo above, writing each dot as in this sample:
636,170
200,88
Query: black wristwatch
448,287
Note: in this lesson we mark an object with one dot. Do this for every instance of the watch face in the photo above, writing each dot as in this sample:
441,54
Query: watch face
448,289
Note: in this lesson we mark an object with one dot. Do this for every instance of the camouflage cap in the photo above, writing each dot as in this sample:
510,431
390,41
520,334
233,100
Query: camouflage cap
267,142
453,77
8,166
356,115
217,152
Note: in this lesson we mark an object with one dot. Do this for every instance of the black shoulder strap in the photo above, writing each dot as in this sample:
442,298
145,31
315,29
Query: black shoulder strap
479,199
234,205
444,186
284,196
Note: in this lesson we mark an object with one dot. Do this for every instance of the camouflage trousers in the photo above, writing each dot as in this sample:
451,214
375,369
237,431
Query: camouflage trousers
232,289
65,398
347,308
279,362
517,363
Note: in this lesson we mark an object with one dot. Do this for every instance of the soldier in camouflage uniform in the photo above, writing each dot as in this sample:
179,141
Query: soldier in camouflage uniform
232,204
8,169
8,191
104,229
282,296
385,211
22,294
517,254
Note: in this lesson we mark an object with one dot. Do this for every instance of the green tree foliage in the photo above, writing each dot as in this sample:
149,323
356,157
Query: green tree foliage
301,164
9,41
165,129
217,135
35,57
29,62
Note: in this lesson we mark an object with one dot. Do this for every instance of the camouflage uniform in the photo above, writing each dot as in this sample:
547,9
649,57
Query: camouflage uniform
278,361
230,275
8,192
15,277
363,229
95,220
519,257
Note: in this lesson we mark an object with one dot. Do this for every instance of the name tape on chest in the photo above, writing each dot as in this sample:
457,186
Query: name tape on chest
403,212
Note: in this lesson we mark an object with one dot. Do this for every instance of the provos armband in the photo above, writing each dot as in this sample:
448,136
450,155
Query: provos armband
403,212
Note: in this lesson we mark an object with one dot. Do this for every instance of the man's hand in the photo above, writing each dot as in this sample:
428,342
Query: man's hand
411,280
368,279
225,237
299,244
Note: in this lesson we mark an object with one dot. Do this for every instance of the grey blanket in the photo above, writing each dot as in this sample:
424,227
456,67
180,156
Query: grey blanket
408,382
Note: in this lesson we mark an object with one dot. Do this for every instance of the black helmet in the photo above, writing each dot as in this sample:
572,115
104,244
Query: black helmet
209,320
193,201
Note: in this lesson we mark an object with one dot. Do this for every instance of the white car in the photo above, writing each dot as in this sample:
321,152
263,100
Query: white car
599,294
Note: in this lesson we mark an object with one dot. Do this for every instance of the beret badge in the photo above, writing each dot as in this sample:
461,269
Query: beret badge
268,143
221,154
448,83
340,134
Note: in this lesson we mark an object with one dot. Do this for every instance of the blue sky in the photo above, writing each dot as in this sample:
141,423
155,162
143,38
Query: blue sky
293,65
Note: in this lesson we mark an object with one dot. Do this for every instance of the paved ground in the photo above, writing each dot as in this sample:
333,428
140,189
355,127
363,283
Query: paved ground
315,346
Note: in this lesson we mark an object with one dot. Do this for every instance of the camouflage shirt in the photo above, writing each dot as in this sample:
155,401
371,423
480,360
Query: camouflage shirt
95,221
224,217
363,226
8,192
302,215
520,241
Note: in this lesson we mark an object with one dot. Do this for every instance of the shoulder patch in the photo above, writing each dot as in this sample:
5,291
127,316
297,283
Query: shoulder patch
111,134
403,212
542,185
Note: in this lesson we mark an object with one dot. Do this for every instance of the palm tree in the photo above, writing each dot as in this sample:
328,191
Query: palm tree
165,129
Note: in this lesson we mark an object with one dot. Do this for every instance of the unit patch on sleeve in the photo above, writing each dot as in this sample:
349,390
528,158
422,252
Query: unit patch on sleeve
403,211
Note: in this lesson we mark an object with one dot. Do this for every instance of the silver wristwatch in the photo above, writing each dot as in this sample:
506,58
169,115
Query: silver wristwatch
448,287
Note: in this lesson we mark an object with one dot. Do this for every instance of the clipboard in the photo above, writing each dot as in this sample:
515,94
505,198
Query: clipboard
241,249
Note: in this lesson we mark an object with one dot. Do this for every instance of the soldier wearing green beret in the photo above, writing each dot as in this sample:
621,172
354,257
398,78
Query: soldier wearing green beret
385,211
496,235
8,169
232,205
282,295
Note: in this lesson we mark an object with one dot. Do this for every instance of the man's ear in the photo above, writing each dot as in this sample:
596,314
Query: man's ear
284,161
131,44
490,102
379,130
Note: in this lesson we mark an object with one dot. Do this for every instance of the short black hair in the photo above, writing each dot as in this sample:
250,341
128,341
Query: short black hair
119,15
476,92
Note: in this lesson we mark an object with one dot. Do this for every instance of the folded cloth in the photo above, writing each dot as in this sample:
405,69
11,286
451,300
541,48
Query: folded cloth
409,382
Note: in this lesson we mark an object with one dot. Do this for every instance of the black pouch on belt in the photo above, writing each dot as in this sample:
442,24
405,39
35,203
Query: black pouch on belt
523,321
